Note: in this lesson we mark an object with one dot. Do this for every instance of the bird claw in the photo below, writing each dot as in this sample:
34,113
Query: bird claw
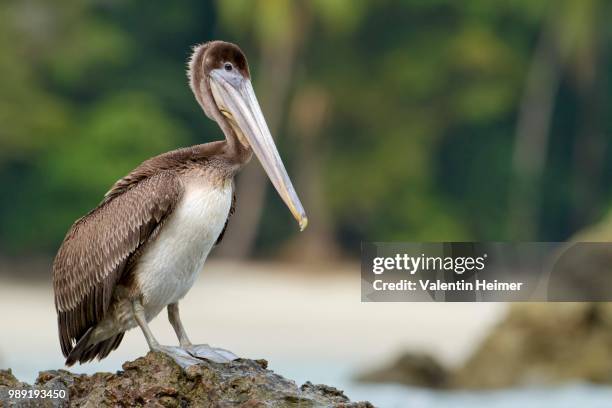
214,354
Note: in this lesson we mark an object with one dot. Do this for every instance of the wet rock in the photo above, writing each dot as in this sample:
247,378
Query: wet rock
156,381
414,369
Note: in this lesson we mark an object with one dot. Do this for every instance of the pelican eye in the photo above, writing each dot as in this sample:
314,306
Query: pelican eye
228,66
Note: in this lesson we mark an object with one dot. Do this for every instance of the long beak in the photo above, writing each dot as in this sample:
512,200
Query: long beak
238,103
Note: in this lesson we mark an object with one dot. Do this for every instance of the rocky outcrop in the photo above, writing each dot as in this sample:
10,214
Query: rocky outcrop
543,344
539,343
536,344
415,369
156,381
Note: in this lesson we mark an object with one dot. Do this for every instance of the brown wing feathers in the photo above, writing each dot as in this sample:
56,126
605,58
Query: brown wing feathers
95,251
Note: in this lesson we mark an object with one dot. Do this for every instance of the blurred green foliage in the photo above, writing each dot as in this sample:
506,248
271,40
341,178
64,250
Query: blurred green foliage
420,135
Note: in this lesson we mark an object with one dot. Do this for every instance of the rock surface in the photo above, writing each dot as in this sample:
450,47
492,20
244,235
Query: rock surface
156,381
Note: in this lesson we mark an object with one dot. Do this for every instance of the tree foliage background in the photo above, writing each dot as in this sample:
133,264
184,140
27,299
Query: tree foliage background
398,120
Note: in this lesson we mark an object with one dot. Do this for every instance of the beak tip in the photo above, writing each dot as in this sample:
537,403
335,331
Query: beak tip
303,222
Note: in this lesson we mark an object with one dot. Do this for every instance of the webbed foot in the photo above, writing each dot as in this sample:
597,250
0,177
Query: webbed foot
204,351
178,354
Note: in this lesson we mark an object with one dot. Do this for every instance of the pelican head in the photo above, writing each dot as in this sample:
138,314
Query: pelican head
221,82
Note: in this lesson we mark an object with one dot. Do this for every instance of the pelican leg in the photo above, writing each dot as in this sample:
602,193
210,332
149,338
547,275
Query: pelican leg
179,355
204,351
175,321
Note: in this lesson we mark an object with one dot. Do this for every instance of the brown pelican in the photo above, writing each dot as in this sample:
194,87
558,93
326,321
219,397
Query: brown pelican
140,250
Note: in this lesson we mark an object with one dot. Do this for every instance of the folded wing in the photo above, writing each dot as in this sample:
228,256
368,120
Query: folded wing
96,250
